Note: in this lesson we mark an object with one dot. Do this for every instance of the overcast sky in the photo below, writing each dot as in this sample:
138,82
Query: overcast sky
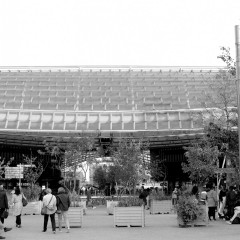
116,32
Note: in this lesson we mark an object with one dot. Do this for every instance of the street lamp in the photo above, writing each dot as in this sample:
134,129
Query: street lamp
237,43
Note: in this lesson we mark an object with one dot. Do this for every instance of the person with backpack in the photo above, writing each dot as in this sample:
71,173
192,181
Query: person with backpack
49,201
63,204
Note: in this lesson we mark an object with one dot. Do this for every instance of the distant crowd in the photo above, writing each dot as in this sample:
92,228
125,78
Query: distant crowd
225,204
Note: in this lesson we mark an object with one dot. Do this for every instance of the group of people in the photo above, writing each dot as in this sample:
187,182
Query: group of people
58,204
226,203
229,208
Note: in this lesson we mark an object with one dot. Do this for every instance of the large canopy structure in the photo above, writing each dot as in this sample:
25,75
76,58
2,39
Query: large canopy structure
153,102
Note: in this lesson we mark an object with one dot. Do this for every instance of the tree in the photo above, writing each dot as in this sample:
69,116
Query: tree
79,153
157,169
100,176
219,120
128,162
202,162
226,58
3,165
72,154
33,170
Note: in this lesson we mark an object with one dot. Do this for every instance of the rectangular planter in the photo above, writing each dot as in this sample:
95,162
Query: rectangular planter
32,208
110,207
129,216
160,206
75,216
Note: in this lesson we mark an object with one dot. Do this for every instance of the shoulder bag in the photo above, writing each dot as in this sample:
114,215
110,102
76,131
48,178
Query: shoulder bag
24,201
4,214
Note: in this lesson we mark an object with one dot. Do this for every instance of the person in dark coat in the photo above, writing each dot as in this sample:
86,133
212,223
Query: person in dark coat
143,195
231,198
63,204
42,194
3,207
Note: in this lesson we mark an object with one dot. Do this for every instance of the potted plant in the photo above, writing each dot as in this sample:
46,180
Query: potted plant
159,202
188,210
129,212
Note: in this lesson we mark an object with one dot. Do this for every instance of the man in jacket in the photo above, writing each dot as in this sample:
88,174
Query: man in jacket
3,207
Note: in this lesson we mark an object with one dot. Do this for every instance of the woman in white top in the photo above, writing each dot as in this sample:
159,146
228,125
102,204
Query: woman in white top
17,206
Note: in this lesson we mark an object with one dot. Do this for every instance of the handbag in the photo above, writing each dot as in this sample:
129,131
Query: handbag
44,209
58,211
24,201
4,214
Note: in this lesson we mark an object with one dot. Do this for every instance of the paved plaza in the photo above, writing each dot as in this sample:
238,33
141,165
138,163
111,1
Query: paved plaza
97,225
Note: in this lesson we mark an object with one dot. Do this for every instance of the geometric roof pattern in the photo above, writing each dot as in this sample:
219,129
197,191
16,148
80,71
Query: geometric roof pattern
106,99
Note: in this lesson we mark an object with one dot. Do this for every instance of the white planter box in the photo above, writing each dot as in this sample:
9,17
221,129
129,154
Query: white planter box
32,208
129,216
160,206
75,216
110,207
80,204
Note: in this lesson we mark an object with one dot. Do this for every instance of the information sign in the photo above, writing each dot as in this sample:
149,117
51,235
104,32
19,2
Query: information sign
14,172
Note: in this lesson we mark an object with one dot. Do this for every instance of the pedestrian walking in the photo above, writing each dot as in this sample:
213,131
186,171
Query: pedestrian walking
17,206
3,207
143,195
63,204
49,201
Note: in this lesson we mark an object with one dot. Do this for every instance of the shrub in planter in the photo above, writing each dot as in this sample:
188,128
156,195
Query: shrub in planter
188,209
130,202
159,196
32,192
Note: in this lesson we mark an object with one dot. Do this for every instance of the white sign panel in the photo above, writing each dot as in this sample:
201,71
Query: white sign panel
13,172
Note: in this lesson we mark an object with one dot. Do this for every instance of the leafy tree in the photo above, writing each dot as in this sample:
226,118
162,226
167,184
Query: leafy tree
33,171
225,56
79,153
100,176
31,174
129,162
72,154
202,162
158,169
3,164
219,120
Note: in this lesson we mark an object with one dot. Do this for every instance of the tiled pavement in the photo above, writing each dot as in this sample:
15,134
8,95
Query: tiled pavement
98,225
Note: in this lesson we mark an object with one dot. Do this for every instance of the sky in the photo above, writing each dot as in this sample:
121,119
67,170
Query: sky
116,32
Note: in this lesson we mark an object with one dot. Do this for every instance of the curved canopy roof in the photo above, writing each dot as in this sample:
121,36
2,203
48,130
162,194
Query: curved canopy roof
102,99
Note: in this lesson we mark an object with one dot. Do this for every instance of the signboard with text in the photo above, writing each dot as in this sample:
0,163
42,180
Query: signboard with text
14,172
